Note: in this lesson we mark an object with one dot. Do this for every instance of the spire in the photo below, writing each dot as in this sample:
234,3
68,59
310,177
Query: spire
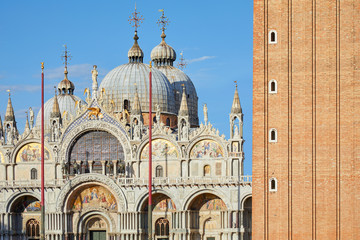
184,110
236,107
27,125
136,110
9,115
55,113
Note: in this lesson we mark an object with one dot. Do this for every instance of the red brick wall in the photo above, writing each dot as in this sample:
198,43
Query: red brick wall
316,63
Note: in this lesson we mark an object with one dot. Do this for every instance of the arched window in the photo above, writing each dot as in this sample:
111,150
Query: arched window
33,174
272,37
154,120
33,229
126,104
159,171
207,170
168,122
162,228
273,185
273,135
95,147
273,86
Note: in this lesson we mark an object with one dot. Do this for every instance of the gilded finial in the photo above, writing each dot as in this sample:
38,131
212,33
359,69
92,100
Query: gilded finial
235,83
163,20
8,92
42,66
150,65
182,64
66,56
136,19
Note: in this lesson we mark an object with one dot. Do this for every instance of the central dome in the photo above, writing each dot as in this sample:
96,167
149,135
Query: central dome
122,82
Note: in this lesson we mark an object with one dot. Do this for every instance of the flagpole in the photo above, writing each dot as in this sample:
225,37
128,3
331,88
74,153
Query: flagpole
42,233
150,160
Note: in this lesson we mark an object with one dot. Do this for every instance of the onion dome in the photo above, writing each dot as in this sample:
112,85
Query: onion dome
135,53
66,86
163,54
64,102
121,84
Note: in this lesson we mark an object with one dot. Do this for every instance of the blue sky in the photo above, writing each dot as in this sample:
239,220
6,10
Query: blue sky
215,36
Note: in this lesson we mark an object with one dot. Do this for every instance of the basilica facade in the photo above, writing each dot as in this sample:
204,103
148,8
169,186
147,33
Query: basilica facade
97,158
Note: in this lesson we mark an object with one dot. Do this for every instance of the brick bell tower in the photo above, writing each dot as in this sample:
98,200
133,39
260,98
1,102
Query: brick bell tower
306,133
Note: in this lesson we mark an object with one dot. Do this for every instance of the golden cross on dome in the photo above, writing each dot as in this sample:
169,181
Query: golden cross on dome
66,56
163,20
182,64
136,19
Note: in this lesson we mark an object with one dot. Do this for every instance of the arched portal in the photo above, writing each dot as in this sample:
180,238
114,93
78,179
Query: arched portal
95,227
247,218
206,217
25,217
163,207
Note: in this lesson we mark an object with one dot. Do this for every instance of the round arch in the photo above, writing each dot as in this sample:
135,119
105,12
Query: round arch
94,125
12,199
143,197
81,221
244,199
194,194
194,141
90,178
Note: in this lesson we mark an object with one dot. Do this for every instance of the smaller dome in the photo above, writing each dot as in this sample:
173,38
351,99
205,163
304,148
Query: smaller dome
66,86
163,54
135,53
66,103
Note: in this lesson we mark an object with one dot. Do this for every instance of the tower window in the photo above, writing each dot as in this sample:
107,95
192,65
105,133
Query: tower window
273,185
273,135
159,171
168,122
33,174
273,86
272,37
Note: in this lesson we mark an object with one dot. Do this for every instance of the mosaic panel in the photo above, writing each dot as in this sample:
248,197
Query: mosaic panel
96,196
206,149
31,152
161,149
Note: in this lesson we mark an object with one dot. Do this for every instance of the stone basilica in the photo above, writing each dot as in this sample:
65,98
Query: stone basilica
96,161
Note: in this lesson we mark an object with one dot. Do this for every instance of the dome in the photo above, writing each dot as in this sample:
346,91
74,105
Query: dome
163,54
177,78
66,103
121,84
66,86
135,53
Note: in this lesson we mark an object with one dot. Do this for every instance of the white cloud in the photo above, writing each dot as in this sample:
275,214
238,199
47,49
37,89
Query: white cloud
200,59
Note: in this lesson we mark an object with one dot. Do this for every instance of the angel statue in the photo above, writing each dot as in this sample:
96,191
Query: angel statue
88,95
